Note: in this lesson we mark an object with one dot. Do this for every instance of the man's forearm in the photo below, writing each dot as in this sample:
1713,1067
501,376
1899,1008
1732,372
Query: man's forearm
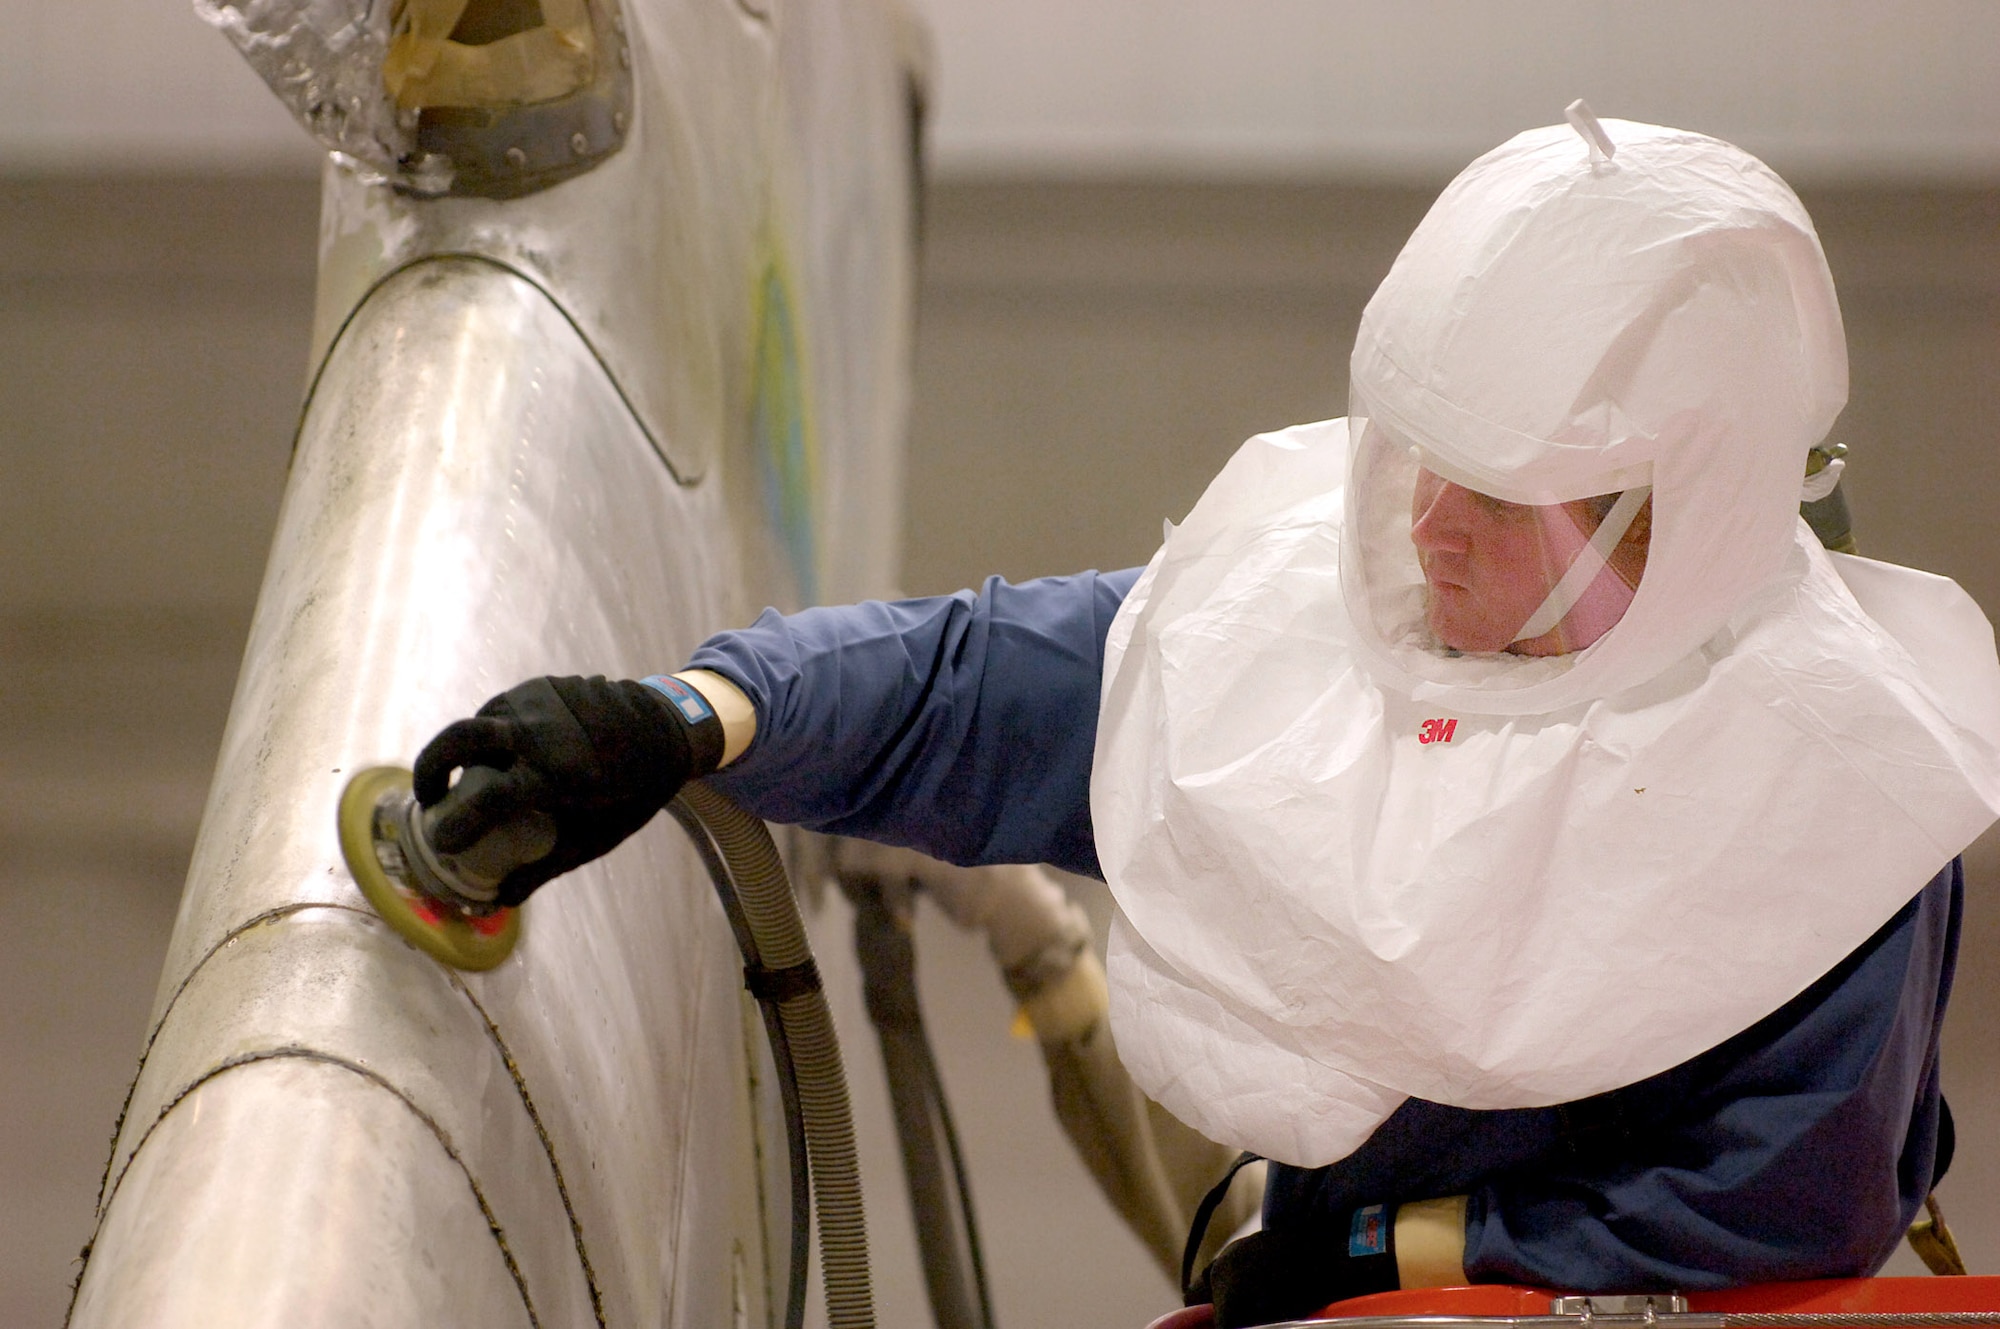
1430,1242
738,716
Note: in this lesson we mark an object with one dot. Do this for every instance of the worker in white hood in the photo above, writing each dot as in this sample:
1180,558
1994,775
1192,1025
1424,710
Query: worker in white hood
1512,741
1519,708
1523,833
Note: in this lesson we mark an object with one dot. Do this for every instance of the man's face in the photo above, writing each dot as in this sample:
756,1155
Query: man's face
1488,565
1485,562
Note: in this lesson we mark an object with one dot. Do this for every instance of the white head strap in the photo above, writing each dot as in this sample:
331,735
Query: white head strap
1590,561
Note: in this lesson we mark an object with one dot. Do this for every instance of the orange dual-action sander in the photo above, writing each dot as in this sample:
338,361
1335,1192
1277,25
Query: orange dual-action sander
444,904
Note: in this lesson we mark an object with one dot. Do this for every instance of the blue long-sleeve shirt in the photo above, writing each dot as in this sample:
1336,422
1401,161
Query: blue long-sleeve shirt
964,726
961,725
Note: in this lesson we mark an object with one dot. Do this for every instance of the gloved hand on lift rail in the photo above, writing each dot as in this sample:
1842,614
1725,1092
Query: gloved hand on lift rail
1294,1271
1289,1274
598,756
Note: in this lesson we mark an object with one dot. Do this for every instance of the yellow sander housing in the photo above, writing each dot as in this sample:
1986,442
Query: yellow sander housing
441,904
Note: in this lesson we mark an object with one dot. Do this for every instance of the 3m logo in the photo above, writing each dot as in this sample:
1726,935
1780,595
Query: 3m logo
1437,731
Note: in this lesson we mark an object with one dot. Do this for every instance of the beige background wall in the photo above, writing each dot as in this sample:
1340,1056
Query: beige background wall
1089,355
1824,89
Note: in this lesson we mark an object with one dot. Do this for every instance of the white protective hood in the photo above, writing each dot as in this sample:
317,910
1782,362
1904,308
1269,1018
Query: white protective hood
1348,873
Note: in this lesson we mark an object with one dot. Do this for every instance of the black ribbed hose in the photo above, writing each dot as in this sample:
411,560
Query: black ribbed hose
779,971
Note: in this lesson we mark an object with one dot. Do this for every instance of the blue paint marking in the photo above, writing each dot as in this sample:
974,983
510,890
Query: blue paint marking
785,447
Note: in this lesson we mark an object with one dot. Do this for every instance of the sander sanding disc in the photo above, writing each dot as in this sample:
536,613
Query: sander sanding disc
448,934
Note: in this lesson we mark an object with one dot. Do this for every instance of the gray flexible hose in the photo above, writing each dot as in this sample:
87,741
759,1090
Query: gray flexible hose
940,1196
781,973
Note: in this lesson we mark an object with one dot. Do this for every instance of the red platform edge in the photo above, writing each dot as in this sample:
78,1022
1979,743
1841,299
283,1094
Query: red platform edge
1850,1295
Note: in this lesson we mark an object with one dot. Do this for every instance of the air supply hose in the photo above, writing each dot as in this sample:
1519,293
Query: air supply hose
778,970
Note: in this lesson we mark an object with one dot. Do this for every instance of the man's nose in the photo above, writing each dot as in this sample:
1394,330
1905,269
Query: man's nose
1441,524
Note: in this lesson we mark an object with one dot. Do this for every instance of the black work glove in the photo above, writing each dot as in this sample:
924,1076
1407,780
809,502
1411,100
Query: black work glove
598,756
1294,1272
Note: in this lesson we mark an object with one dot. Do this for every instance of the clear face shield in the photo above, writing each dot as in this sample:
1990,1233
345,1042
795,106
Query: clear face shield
1464,584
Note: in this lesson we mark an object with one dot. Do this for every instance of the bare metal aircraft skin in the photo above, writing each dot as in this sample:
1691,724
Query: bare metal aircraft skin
570,430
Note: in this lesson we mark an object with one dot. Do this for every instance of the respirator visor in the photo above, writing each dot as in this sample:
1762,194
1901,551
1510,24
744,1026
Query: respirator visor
1452,566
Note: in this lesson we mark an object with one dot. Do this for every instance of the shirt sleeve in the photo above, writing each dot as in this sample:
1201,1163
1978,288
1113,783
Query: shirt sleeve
961,725
1800,1149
